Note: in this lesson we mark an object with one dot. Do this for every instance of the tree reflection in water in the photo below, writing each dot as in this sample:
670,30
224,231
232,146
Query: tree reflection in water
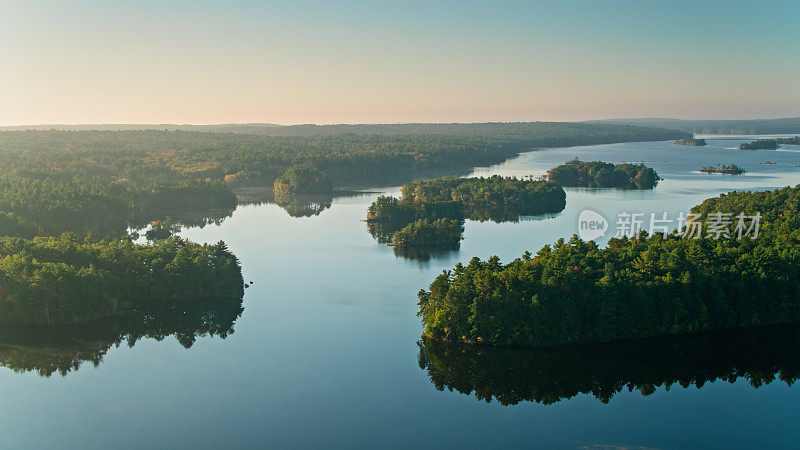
549,375
63,349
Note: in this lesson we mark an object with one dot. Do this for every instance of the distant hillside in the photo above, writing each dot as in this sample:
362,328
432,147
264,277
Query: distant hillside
241,128
502,130
751,126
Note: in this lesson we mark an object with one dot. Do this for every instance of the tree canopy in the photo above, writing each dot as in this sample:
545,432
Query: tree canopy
425,203
598,174
574,291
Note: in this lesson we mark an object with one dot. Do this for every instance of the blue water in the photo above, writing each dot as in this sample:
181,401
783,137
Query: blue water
325,352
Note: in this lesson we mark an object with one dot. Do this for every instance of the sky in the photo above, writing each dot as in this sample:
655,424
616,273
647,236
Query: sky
203,62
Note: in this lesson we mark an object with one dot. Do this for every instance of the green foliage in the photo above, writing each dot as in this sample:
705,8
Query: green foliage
454,198
598,174
747,126
760,144
98,183
51,205
692,141
732,169
302,180
788,140
345,153
430,233
769,144
574,292
495,192
50,280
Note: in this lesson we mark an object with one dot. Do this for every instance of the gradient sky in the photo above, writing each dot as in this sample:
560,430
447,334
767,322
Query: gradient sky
395,61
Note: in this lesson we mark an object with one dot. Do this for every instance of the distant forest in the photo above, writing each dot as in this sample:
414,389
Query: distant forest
746,126
512,130
750,126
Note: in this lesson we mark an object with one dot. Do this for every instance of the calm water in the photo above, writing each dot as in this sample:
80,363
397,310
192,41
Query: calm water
325,352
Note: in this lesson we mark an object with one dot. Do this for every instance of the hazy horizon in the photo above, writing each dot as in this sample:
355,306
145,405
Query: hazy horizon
291,63
4,125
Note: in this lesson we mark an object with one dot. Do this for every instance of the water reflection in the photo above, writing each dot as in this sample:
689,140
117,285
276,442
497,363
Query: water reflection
63,349
383,232
187,218
514,215
424,254
550,375
304,205
296,205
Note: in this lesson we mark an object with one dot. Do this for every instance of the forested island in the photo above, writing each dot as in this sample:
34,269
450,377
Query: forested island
788,140
430,233
574,291
302,180
455,199
598,174
691,142
731,169
549,375
760,144
65,279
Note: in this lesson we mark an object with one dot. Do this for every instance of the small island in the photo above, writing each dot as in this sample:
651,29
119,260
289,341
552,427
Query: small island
788,140
441,233
760,144
598,174
732,169
430,207
691,142
302,180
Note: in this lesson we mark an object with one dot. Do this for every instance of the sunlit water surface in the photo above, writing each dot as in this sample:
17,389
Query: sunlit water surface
325,353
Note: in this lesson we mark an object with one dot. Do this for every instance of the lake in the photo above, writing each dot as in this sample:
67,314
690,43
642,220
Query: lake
325,353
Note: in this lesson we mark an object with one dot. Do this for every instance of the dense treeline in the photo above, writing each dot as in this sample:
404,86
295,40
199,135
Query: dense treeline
302,180
598,174
788,140
495,192
760,144
691,142
574,291
454,198
550,131
746,126
51,205
731,169
64,348
549,375
144,156
49,280
109,178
